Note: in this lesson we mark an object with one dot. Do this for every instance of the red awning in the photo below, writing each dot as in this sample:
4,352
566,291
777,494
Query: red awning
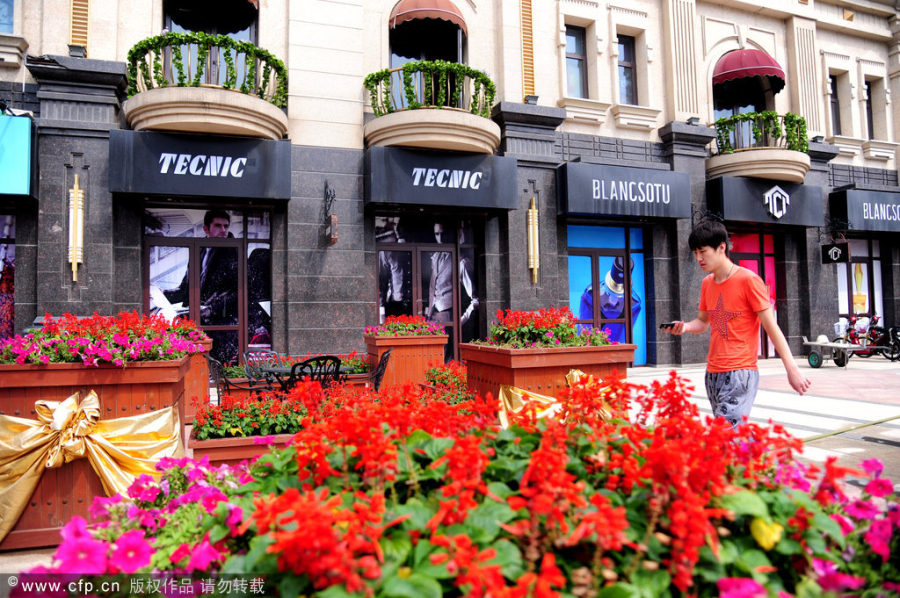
410,10
742,64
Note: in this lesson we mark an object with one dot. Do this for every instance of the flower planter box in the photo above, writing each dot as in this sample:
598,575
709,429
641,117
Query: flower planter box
411,357
196,383
69,490
542,371
231,451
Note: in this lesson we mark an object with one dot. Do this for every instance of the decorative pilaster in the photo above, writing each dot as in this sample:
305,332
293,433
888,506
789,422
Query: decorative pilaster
803,72
681,51
893,69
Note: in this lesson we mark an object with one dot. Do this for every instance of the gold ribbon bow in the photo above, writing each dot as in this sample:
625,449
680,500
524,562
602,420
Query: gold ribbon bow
119,450
514,400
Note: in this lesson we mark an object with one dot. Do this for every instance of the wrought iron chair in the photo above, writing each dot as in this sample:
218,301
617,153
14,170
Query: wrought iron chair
223,384
375,376
254,362
324,369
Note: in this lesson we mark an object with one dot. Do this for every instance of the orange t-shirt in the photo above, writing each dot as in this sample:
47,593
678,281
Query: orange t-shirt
731,307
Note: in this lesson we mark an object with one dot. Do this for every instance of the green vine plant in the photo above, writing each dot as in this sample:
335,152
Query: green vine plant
150,53
431,84
768,129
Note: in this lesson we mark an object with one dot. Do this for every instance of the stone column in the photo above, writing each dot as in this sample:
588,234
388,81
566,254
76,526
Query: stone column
80,103
805,82
894,75
527,133
681,29
674,281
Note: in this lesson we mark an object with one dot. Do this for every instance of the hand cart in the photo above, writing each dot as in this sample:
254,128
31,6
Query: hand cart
822,350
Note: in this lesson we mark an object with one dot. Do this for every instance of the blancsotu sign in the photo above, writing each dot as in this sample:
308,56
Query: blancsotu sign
202,165
446,178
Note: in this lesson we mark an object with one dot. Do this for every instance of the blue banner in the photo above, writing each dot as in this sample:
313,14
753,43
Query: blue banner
15,155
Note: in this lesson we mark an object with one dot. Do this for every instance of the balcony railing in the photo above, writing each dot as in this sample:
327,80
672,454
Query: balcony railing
761,130
202,60
431,84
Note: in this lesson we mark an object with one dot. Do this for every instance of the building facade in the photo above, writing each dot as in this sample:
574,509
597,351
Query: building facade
288,172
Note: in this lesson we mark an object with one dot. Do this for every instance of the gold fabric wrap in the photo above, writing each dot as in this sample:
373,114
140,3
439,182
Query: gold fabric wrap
514,400
119,450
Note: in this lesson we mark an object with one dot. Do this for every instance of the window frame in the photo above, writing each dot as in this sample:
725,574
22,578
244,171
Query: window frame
835,104
627,41
870,120
582,58
872,262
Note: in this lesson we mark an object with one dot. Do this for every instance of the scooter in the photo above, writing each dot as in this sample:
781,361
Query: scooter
870,338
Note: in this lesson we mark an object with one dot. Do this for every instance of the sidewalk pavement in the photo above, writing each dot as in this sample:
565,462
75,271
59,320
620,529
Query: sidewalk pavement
867,390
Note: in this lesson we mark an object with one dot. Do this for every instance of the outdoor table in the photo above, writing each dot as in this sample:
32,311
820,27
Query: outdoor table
282,373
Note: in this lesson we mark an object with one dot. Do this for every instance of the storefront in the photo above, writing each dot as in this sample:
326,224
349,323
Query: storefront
17,157
429,210
607,209
864,271
760,215
206,207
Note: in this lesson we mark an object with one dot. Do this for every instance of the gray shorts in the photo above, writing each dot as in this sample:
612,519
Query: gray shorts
731,394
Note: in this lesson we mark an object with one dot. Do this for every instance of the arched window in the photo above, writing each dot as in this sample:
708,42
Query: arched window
432,30
745,81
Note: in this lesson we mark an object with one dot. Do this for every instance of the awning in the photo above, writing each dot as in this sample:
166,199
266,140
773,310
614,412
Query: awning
225,16
744,64
410,10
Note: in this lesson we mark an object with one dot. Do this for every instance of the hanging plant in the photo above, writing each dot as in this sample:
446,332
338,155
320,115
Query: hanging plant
768,122
151,50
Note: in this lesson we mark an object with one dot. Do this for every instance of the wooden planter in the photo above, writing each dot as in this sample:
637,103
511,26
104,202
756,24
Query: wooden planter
411,357
69,490
196,383
542,371
231,451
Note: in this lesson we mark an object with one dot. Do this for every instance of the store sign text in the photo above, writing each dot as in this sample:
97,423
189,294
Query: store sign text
631,191
446,178
202,165
881,211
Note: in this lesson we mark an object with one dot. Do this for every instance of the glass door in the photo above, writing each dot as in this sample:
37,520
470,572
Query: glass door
756,252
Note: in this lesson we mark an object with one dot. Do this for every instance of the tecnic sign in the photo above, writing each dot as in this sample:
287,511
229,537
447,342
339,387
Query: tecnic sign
618,191
404,177
867,210
181,165
836,253
758,200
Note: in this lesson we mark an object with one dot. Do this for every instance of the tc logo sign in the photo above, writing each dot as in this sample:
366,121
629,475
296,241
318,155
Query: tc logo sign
777,201
835,253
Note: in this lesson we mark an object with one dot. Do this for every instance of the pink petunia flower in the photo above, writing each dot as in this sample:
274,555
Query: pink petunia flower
846,526
76,529
180,552
879,487
840,582
203,556
133,552
879,538
862,509
740,587
83,555
872,467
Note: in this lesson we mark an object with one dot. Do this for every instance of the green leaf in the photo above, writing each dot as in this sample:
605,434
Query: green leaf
417,437
335,591
436,447
509,557
414,586
749,560
397,547
651,584
423,549
788,546
421,514
824,523
500,489
619,590
746,502
807,588
487,518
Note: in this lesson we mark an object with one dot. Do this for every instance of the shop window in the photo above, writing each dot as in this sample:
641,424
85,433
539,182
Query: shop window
235,18
835,102
212,266
6,16
427,266
859,282
7,275
576,63
756,252
606,283
870,123
627,80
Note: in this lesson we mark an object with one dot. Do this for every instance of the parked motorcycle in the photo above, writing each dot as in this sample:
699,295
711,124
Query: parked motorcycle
869,337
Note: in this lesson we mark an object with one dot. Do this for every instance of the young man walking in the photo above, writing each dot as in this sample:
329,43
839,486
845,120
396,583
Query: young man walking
733,302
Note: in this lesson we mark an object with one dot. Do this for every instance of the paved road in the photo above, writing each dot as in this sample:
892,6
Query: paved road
866,391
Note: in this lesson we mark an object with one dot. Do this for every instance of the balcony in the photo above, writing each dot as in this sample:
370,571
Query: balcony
762,145
200,83
436,105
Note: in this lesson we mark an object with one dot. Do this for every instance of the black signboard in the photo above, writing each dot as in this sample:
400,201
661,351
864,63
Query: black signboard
618,191
836,253
867,210
181,165
759,200
401,176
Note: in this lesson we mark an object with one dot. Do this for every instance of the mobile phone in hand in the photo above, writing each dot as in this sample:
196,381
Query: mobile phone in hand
667,325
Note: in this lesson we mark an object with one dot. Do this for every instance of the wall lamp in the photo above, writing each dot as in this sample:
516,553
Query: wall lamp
693,121
534,245
76,228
